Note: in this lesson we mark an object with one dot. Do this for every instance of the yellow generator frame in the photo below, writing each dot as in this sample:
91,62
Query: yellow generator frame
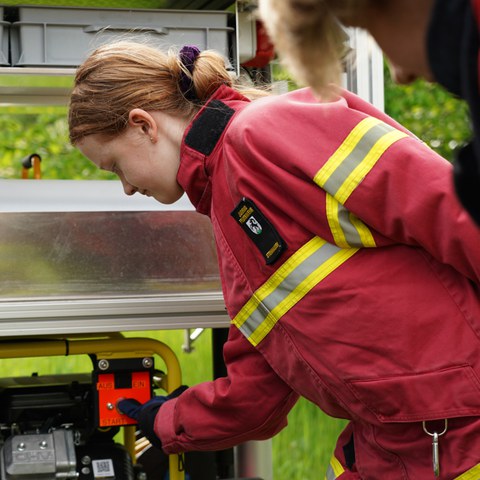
106,348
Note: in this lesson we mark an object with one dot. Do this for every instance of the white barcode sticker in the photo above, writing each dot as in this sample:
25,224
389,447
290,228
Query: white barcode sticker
103,468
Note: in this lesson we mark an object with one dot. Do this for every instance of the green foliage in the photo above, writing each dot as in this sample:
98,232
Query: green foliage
427,110
45,132
303,450
280,74
431,113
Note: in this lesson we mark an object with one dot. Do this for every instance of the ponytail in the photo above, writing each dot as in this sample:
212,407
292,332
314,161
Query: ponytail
124,75
309,37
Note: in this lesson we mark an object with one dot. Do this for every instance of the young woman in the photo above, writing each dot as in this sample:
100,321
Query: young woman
434,39
348,281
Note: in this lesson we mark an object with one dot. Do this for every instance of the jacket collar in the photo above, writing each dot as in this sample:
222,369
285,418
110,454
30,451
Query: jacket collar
198,150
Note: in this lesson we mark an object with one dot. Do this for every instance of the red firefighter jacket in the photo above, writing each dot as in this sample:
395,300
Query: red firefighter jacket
351,274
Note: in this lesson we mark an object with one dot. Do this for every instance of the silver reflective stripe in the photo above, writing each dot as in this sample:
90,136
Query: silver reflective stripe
307,267
347,229
355,157
255,320
350,233
335,470
330,474
286,287
346,169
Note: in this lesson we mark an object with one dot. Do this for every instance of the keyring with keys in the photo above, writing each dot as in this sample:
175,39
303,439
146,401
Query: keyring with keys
435,452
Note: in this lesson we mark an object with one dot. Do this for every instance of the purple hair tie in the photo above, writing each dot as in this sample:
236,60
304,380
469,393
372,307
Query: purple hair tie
188,55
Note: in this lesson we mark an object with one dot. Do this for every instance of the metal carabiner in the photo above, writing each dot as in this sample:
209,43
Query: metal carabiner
435,450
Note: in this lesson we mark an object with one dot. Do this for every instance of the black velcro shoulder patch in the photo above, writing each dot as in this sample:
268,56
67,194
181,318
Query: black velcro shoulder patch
259,229
209,126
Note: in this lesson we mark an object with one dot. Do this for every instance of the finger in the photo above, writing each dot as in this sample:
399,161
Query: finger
129,407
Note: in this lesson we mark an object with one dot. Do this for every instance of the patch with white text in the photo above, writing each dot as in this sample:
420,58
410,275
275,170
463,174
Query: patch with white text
259,230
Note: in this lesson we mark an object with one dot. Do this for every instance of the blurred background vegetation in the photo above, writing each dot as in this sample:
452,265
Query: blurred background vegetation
431,113
42,130
437,118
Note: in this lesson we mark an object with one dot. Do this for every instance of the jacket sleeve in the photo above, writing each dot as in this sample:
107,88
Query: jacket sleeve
409,197
360,159
251,403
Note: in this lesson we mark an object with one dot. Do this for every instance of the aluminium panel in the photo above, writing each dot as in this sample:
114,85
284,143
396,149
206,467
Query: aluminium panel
81,256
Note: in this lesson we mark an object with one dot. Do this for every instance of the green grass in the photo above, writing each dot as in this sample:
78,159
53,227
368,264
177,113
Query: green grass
300,452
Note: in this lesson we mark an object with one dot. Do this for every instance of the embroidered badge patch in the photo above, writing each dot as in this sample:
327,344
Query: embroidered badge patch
259,229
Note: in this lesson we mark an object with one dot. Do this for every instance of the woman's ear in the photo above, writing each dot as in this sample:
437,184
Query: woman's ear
140,118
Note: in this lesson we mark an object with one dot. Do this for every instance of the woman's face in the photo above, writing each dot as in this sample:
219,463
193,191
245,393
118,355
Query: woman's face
400,29
145,159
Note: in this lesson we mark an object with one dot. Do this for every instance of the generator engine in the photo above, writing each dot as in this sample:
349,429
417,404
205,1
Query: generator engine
48,432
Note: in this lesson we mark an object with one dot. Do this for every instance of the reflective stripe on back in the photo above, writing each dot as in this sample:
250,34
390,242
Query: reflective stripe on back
345,170
357,155
305,269
334,470
347,229
472,474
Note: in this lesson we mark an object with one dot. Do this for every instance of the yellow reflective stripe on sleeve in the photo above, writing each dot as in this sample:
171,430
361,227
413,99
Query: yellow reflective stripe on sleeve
345,170
334,221
347,230
357,155
272,283
305,269
335,469
345,149
359,173
472,474
366,237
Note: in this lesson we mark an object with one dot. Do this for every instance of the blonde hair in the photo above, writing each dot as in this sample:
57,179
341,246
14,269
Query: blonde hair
124,75
309,37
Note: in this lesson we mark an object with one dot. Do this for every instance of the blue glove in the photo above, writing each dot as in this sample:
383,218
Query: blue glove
145,413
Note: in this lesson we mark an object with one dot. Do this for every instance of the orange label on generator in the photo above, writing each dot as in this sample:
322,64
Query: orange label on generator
111,389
